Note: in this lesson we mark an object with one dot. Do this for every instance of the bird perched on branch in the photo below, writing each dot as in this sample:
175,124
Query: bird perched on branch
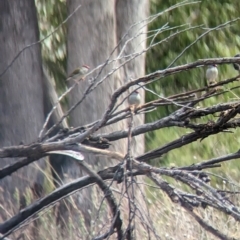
79,73
211,74
134,99
237,65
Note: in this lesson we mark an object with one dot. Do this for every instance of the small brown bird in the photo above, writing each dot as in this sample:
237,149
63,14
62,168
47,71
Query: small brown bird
134,99
79,73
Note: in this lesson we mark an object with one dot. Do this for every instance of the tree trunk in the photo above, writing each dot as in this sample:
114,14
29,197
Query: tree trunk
129,13
21,97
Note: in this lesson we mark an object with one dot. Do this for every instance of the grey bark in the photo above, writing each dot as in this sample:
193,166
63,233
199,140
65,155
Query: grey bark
127,14
21,96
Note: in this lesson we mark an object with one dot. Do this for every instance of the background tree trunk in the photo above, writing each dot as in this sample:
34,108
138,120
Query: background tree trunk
21,96
127,14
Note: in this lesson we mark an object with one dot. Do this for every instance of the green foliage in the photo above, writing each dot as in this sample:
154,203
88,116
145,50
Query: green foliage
224,42
51,13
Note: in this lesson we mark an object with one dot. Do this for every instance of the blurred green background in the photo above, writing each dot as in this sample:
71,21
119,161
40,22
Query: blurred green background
224,42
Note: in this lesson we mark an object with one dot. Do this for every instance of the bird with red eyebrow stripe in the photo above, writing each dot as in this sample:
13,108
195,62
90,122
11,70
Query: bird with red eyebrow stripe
211,74
79,73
